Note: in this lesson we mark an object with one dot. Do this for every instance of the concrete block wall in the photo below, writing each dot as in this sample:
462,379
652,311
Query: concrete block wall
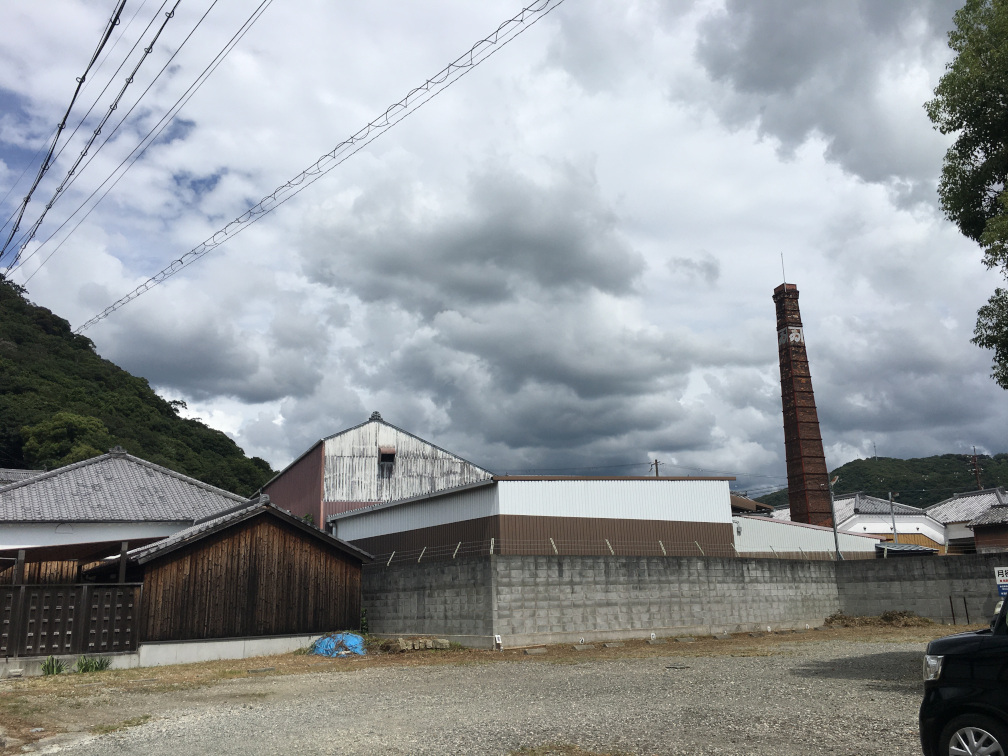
946,589
450,599
556,599
539,599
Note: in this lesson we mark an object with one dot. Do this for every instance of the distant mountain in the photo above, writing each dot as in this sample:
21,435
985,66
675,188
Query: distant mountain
62,403
919,482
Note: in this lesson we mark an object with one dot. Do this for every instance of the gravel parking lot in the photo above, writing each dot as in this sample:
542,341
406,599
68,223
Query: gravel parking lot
824,693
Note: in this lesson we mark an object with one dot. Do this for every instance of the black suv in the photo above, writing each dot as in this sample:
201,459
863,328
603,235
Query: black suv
965,706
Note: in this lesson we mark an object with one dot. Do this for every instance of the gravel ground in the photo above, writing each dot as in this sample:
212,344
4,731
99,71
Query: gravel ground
826,697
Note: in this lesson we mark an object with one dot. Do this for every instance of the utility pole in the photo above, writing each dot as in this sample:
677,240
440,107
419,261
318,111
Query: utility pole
892,514
832,507
976,470
655,465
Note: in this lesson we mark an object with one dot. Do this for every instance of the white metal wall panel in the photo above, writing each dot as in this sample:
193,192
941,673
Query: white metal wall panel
658,499
351,466
761,535
909,525
441,510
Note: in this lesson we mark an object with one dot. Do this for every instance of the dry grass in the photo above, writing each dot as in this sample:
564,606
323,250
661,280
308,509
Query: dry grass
123,698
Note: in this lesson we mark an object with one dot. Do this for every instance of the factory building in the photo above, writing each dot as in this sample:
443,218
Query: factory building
558,516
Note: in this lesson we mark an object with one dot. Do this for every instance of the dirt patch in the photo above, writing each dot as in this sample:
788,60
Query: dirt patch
886,619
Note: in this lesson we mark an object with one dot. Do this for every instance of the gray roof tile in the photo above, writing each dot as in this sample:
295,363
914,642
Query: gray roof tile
994,516
847,505
966,507
11,475
115,487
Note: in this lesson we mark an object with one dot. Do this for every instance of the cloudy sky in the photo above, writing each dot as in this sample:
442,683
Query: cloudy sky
563,261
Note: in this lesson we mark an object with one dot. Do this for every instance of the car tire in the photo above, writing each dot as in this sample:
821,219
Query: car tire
970,734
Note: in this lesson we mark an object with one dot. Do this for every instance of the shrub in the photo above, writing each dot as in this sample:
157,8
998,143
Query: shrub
93,664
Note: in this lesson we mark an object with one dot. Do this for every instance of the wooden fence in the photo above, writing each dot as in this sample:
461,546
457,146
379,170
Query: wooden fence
39,620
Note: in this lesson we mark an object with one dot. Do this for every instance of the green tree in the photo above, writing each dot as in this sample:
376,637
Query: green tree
63,439
971,101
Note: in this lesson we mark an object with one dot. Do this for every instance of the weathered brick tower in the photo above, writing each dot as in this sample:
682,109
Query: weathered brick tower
808,479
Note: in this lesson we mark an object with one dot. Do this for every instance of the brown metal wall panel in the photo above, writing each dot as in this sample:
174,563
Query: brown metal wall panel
530,536
990,538
261,577
298,489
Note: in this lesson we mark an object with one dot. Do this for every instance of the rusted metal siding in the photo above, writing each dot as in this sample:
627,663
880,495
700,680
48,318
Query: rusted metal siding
298,489
352,470
763,537
262,577
655,499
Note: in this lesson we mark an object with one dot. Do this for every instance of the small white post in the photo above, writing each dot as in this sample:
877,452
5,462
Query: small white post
390,559
491,545
610,547
664,553
699,547
456,549
774,551
421,554
554,547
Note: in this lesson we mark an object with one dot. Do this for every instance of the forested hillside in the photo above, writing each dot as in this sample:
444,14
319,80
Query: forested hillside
919,482
61,403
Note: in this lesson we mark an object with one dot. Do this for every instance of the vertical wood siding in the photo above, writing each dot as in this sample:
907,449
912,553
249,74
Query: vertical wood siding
299,488
261,577
351,466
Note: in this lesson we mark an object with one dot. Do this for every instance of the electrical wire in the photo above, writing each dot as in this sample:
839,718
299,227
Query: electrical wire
415,99
151,135
30,234
113,22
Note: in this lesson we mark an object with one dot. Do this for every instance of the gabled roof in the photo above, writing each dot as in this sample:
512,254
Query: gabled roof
249,509
375,418
13,475
114,487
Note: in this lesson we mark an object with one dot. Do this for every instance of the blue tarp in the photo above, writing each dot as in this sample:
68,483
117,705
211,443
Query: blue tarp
339,644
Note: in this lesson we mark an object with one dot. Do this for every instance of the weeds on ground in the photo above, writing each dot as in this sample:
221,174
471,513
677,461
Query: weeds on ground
53,666
87,664
886,619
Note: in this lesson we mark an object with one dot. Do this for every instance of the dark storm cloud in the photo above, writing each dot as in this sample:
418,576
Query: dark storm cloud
510,233
800,68
204,358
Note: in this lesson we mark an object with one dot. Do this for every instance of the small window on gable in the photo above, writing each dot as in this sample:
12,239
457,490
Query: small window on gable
386,461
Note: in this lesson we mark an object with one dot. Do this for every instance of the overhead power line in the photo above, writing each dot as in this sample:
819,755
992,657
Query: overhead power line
113,21
416,98
152,134
30,234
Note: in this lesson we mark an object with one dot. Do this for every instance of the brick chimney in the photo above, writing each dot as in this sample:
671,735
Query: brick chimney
808,479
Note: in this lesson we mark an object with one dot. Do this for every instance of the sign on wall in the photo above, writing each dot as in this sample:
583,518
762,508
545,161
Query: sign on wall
1001,574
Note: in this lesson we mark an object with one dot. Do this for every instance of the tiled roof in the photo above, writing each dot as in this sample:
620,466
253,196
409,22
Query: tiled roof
967,506
249,508
115,487
993,516
10,475
847,505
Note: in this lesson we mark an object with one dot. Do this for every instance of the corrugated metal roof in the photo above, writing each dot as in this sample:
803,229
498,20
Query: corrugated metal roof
248,509
114,487
966,507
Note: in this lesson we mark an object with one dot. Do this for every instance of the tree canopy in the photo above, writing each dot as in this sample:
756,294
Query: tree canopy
61,403
971,101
